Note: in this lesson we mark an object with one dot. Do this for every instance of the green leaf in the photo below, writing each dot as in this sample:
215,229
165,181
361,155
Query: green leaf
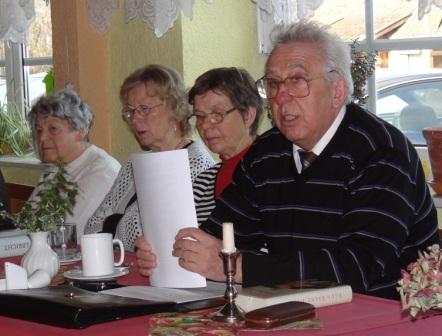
52,203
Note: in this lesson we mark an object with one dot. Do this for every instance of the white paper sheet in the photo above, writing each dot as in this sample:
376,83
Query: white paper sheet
213,290
165,199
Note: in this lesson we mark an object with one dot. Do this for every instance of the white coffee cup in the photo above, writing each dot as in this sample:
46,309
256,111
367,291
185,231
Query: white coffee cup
97,254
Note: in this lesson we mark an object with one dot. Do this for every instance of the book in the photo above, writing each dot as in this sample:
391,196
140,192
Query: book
72,307
317,293
13,242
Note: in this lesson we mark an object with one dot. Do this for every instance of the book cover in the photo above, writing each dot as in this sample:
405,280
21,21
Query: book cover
13,243
317,293
72,307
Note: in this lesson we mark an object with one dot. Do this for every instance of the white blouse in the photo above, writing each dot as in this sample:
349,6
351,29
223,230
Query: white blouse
129,226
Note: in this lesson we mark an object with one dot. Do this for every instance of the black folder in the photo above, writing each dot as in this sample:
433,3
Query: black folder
72,307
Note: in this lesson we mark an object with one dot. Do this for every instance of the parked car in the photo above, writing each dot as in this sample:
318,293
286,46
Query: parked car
411,102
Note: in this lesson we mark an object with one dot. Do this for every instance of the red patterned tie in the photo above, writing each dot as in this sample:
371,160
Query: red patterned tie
307,158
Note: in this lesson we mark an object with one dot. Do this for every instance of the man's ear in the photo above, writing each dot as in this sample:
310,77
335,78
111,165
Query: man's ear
250,116
339,92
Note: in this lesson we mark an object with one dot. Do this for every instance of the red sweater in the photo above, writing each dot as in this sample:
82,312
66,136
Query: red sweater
225,173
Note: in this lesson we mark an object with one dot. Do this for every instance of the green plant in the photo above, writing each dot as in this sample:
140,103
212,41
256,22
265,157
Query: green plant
54,200
48,80
362,66
15,133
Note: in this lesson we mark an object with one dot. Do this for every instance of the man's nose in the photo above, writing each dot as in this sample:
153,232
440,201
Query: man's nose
283,95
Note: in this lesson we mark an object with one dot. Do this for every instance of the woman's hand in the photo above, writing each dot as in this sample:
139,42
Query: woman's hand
146,259
198,252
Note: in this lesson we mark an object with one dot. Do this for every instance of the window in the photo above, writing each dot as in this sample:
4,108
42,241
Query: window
405,46
407,73
23,67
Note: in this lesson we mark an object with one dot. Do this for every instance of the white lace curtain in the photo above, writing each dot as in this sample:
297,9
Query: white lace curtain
425,6
286,11
160,15
15,18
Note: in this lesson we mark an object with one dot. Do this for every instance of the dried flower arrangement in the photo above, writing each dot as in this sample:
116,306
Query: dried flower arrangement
421,287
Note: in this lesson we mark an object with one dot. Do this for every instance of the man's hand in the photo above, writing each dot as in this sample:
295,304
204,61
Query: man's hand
146,259
199,252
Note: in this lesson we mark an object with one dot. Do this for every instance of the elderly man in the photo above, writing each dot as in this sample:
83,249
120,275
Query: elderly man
331,193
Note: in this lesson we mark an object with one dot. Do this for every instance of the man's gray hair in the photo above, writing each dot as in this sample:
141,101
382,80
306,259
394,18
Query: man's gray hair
335,52
64,104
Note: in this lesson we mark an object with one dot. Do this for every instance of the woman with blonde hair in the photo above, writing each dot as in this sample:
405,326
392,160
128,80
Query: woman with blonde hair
155,107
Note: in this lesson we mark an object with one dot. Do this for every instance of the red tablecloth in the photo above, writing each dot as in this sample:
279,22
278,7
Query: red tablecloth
365,315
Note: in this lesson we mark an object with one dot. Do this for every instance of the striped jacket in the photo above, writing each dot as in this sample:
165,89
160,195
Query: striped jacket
357,215
204,192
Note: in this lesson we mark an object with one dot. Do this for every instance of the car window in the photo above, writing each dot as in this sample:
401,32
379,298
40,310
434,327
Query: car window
412,107
389,108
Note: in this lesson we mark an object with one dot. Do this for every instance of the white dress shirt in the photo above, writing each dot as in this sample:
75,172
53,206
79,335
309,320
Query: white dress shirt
320,145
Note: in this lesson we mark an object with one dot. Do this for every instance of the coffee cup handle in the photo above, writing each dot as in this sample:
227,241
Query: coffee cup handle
120,244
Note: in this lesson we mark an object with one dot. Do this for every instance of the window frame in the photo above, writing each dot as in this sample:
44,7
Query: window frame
17,74
265,24
371,44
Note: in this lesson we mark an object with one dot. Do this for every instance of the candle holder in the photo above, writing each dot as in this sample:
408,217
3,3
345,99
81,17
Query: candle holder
229,312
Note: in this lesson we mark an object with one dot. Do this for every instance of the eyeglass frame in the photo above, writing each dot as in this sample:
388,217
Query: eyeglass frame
261,86
143,110
221,115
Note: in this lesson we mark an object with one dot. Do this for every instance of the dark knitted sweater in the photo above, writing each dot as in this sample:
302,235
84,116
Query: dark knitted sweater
357,215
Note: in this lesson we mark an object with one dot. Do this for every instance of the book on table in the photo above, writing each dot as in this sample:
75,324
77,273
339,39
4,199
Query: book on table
72,307
13,242
318,293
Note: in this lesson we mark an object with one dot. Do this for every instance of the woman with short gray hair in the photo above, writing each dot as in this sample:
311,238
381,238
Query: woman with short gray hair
60,126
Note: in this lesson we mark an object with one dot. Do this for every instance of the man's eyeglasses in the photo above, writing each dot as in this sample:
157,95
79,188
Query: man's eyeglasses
143,110
213,117
296,86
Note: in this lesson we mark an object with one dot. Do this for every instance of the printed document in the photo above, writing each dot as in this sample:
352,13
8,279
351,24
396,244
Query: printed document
165,199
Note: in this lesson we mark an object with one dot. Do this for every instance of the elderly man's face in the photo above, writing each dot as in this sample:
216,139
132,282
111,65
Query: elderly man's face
56,140
303,120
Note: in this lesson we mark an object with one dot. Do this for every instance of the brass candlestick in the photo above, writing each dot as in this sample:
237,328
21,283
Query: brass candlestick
229,312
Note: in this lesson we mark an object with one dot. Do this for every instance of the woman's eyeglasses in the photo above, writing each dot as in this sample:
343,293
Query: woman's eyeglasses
213,117
142,110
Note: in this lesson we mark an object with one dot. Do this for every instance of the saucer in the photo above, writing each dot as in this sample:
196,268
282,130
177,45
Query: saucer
77,274
74,258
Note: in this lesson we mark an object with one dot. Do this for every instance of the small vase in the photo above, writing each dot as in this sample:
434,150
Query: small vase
40,255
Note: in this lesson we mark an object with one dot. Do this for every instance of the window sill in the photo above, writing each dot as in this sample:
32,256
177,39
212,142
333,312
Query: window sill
21,162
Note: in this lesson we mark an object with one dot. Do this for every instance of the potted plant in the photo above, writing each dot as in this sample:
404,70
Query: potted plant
362,66
15,133
40,215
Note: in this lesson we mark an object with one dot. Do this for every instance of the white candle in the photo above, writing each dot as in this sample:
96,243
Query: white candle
228,238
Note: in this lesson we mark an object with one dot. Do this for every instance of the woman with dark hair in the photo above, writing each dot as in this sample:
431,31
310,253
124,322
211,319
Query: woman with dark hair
226,112
155,107
60,126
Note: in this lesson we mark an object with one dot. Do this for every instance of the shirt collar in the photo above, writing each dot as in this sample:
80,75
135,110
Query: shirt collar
323,142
